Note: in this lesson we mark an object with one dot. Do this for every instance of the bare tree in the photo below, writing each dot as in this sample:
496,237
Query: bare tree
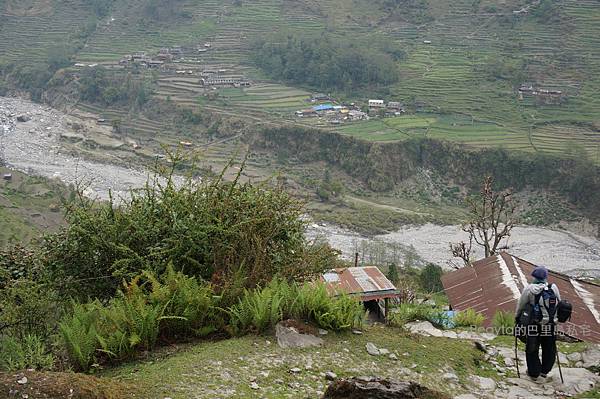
492,219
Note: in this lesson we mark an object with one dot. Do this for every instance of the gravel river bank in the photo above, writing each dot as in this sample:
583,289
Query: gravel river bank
33,146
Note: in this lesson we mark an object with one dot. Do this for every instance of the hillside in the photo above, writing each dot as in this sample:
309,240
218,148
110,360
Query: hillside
466,72
29,206
463,60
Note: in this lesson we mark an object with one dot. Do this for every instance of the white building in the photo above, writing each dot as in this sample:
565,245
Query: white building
376,104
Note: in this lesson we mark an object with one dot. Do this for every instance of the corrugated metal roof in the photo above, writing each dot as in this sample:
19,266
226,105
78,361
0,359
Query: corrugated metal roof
495,283
323,107
367,281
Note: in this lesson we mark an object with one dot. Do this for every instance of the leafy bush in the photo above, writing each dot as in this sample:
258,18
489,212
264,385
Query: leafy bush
407,313
213,230
468,318
504,322
29,307
430,278
17,262
30,352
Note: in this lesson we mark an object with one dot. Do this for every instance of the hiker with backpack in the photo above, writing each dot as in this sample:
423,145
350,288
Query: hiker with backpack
537,314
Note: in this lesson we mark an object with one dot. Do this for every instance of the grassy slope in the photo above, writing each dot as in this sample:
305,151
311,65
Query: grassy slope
226,368
25,204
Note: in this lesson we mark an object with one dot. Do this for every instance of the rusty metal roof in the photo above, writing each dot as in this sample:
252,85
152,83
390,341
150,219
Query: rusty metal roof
368,282
495,283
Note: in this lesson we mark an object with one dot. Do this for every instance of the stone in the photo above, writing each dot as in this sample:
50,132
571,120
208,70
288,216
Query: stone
289,337
591,357
254,385
392,356
295,370
575,357
450,377
357,332
372,349
484,383
384,351
466,396
323,332
377,388
577,380
563,358
481,346
23,118
423,328
330,376
22,381
450,334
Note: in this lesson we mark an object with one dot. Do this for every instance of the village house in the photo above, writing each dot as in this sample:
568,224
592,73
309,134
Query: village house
320,97
223,82
376,104
356,115
396,106
323,107
306,113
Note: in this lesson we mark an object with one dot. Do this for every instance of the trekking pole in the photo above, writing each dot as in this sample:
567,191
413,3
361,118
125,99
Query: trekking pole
558,361
517,358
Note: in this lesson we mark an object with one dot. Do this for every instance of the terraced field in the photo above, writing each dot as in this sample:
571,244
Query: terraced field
450,45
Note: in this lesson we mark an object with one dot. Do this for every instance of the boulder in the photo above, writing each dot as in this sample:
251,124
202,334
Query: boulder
289,337
377,388
372,349
591,357
484,383
575,357
424,328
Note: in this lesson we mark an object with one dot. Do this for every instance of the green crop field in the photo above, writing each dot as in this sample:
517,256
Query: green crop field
457,64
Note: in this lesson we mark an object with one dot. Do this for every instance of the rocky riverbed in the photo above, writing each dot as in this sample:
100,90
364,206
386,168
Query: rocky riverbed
30,142
559,250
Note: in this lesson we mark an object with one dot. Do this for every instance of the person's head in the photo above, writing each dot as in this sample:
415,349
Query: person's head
540,273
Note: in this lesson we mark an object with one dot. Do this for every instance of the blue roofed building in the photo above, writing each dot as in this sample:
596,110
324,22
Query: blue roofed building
323,107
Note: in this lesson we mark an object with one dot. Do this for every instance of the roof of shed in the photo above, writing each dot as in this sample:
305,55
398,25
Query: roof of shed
368,282
496,283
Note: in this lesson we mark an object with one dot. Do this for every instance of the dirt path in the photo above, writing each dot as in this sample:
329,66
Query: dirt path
388,207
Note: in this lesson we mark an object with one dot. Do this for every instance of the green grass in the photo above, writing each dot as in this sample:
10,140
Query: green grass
26,207
202,370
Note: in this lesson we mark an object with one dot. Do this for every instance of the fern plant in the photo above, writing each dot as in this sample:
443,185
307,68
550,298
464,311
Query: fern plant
503,322
469,318
79,334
